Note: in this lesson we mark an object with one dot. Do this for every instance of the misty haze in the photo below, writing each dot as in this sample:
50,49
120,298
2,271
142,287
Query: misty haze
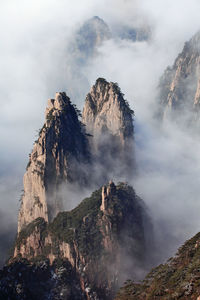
100,166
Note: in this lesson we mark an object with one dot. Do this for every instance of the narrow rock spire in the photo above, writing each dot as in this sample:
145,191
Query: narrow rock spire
56,156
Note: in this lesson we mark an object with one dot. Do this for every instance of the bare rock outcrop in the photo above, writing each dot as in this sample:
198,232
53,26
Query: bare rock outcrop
179,88
64,152
56,158
109,120
103,239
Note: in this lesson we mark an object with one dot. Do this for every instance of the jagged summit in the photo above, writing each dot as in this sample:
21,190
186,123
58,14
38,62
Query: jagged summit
64,153
56,156
180,85
109,119
106,110
57,104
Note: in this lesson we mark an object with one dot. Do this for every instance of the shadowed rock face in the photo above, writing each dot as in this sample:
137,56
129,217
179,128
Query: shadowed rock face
89,37
103,240
180,85
109,119
38,280
56,157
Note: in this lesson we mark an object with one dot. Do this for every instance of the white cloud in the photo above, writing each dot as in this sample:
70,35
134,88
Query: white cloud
33,60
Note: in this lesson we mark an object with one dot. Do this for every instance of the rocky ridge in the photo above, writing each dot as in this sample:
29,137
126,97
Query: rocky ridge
103,240
179,88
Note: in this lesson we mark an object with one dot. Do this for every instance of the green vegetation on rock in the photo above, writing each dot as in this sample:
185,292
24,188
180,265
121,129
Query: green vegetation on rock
39,224
179,278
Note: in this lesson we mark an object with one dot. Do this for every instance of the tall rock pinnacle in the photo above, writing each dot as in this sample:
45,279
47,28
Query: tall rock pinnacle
55,158
87,252
64,153
109,119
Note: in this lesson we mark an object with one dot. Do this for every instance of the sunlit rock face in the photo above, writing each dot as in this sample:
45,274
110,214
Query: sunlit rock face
109,121
56,157
67,151
179,86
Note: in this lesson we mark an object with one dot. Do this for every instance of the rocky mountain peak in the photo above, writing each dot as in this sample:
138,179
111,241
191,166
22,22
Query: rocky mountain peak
95,31
92,238
179,89
106,109
109,119
60,101
63,151
89,37
60,148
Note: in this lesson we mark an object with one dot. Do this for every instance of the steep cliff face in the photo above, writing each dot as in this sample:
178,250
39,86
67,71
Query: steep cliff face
103,239
180,84
109,119
55,158
63,149
179,278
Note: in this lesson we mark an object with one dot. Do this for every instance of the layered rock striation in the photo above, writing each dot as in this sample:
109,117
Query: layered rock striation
56,157
109,121
179,86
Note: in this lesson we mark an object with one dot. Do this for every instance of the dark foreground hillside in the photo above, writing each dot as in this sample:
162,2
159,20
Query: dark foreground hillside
179,278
